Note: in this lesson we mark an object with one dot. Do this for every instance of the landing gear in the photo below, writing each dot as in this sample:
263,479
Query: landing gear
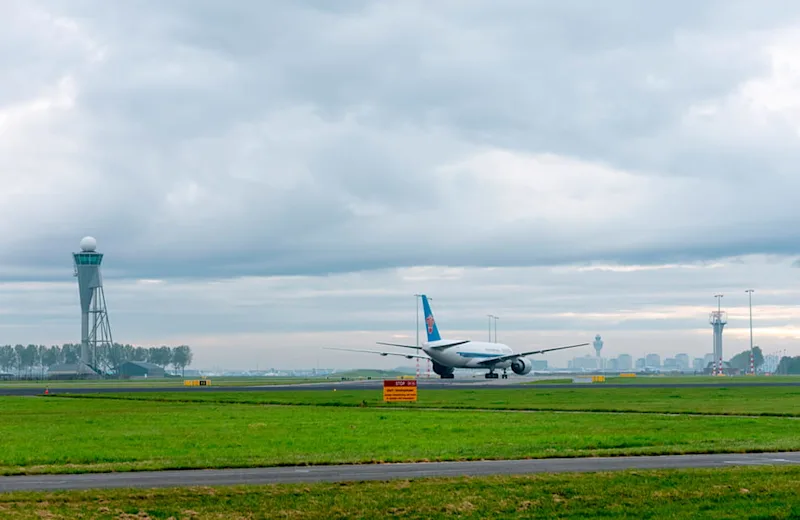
492,375
505,374
443,371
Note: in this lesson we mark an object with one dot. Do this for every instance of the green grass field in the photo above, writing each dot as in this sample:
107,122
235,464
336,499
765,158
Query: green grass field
52,435
139,431
163,382
733,400
762,493
732,380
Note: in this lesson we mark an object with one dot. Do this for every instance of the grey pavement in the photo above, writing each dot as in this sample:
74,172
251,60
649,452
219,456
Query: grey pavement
157,479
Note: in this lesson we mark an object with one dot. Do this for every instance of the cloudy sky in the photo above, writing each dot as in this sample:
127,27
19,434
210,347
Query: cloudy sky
269,177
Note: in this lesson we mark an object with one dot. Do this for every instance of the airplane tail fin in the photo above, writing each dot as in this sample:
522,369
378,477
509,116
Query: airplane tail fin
430,322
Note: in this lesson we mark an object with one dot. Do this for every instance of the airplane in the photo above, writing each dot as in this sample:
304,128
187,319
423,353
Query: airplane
447,354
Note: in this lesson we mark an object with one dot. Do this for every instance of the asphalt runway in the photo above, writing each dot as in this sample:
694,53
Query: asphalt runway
375,384
339,473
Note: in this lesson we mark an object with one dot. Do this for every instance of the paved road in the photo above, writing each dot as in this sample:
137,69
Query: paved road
435,384
154,479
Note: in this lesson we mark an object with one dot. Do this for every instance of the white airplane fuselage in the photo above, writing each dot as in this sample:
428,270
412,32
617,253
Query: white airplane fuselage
467,355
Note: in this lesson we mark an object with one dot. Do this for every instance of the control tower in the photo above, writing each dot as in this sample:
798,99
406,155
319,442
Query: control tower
598,344
718,319
95,328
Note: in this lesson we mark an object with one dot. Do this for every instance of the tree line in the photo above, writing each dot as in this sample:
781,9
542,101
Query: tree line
742,359
788,365
31,358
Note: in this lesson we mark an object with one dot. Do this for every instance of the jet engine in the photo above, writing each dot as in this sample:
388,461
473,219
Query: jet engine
521,366
445,372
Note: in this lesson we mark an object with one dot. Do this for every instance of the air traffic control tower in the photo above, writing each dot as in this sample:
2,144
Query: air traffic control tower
598,344
95,328
718,319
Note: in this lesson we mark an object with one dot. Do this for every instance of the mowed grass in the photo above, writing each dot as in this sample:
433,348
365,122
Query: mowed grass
767,401
54,435
684,494
728,380
160,382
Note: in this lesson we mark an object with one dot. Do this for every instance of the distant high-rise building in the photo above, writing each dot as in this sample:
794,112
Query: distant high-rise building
698,364
586,362
683,361
670,364
640,363
624,362
539,364
708,358
653,360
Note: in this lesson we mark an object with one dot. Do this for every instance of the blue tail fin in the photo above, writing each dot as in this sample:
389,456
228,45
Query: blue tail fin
430,323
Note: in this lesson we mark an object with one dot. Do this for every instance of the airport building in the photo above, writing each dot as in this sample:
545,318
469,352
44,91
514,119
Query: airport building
133,369
70,371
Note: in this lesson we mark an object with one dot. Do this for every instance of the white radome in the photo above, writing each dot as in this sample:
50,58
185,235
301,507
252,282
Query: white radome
88,244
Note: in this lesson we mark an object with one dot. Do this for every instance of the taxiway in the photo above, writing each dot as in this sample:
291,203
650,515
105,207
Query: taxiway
353,472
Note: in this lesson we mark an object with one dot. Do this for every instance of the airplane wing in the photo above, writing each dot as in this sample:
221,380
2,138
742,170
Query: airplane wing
408,356
500,359
437,347
398,345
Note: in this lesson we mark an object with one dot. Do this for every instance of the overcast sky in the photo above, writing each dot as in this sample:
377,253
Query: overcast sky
269,177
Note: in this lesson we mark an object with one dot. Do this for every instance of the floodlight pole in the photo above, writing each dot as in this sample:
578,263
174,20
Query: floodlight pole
718,338
752,355
495,318
418,297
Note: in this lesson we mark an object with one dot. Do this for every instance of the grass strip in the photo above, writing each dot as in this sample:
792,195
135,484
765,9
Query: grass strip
727,380
160,382
744,401
764,493
95,435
